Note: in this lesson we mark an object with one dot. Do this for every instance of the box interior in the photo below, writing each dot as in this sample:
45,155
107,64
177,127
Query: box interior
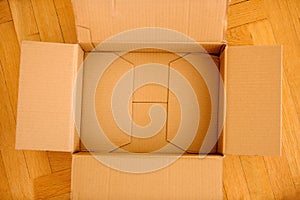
147,96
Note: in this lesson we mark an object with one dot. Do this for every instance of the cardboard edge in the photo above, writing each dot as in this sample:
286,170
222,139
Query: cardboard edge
78,61
223,68
185,155
84,38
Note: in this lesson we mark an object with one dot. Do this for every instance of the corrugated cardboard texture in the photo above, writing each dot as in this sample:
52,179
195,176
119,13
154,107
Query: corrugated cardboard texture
253,120
47,75
188,178
96,21
204,100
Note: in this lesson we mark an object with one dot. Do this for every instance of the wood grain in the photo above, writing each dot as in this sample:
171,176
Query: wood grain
24,20
17,174
5,14
245,12
239,36
257,177
232,2
285,34
60,197
52,185
37,163
65,15
10,59
47,20
291,125
5,192
7,122
59,161
234,180
280,177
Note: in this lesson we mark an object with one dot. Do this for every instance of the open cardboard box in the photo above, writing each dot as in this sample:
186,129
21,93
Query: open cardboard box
49,73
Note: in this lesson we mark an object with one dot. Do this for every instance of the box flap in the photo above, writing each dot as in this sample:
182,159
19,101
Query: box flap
253,84
45,102
187,178
97,21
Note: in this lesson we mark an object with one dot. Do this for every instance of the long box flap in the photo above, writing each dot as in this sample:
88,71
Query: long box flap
96,21
189,177
253,78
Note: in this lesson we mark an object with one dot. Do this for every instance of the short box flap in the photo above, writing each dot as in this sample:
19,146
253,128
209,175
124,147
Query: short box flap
253,85
189,177
96,21
47,77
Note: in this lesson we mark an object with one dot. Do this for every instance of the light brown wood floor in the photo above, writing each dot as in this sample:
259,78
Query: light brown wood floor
46,175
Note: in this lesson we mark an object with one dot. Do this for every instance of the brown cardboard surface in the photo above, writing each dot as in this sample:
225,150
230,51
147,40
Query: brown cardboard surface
47,75
204,100
187,178
150,92
98,101
96,21
140,114
253,84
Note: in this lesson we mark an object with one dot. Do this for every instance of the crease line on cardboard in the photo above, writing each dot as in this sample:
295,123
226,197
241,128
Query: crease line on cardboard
90,39
168,95
73,118
133,66
225,99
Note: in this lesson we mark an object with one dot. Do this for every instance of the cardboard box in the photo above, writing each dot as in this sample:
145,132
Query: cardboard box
252,81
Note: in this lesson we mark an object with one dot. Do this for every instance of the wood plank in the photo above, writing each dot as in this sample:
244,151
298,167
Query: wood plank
245,12
239,36
262,33
60,197
37,163
280,177
294,10
5,192
278,14
24,20
234,179
10,59
257,177
5,14
52,185
224,194
47,21
285,34
7,120
291,138
17,174
65,15
232,2
60,160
